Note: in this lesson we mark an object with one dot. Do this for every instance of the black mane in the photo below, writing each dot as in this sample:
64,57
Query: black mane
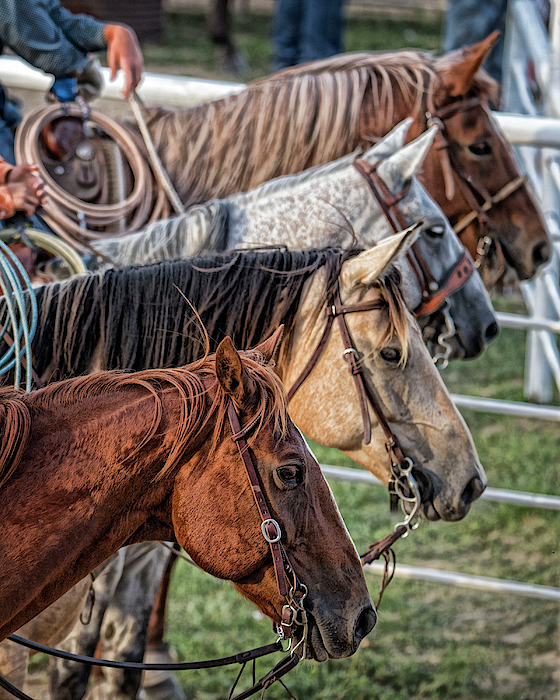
143,320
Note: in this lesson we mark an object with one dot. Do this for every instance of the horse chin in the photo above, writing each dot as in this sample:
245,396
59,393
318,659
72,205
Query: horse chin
316,648
321,649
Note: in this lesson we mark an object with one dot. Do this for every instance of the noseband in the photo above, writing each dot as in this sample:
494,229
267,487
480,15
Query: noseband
289,586
475,194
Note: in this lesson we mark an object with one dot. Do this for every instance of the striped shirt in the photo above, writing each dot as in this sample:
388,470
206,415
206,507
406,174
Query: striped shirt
48,36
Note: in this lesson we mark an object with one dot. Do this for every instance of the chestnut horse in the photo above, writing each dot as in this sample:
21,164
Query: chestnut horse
320,111
94,463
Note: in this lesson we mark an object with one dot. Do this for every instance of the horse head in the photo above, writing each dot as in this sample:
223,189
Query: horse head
467,309
400,375
217,520
487,197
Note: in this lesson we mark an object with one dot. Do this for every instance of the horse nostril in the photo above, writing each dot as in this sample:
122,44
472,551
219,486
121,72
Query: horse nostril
492,331
365,623
541,253
473,490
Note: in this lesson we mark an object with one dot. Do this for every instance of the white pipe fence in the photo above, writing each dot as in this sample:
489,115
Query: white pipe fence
483,583
519,498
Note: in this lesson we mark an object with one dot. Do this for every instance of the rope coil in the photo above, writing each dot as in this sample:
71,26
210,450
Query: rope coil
78,221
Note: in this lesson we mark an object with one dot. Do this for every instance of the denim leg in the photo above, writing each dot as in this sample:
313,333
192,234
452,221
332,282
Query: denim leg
321,29
286,32
470,21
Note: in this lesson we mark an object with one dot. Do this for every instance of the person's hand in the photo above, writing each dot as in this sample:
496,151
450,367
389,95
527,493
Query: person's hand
24,197
123,52
28,176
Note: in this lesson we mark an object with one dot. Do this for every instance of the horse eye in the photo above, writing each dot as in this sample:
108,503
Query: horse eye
291,475
391,355
436,231
482,148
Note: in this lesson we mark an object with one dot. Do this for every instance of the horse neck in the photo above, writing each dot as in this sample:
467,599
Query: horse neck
76,493
336,209
310,322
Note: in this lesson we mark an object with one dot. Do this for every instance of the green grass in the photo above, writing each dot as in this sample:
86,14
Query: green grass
432,642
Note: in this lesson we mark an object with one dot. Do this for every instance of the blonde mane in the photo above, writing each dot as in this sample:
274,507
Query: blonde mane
300,116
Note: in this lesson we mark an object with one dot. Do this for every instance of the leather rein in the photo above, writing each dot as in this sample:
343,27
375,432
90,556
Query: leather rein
474,192
293,615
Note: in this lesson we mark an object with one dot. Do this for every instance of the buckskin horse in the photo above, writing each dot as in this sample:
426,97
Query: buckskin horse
94,463
320,111
130,318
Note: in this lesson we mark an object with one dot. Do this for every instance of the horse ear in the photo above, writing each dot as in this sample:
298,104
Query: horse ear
457,69
230,371
368,266
390,143
269,347
407,161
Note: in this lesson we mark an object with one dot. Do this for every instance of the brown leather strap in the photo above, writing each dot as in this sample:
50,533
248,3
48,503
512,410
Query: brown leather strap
458,277
332,311
269,524
454,108
377,549
387,203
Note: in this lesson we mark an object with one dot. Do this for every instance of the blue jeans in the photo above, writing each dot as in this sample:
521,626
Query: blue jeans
306,30
470,21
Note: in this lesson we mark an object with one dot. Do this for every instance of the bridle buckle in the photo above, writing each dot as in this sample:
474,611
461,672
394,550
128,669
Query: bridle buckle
274,538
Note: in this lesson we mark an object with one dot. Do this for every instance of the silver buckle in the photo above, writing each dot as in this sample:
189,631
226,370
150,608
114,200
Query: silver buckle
271,540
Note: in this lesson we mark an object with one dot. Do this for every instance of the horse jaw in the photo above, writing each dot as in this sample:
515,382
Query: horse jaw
403,165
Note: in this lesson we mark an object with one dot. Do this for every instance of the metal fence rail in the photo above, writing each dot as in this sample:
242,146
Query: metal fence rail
481,583
520,498
453,578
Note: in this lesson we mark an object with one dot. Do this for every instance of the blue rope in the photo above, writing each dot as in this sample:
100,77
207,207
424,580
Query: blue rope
16,315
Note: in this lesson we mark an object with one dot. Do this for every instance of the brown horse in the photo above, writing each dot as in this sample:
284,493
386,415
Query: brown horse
322,110
92,464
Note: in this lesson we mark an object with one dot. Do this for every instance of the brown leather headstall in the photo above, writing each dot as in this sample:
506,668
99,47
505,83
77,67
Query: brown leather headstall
293,613
434,293
475,194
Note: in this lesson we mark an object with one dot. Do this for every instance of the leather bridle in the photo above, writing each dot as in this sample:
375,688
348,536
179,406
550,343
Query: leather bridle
289,586
474,192
433,293
402,484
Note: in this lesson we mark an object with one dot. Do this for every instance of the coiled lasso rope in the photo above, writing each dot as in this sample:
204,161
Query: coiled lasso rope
77,221
14,326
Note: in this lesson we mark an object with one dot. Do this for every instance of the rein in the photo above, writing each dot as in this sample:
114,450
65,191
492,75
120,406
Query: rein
471,188
293,613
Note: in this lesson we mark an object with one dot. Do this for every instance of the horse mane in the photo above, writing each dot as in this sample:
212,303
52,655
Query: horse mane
205,228
298,116
17,408
136,317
